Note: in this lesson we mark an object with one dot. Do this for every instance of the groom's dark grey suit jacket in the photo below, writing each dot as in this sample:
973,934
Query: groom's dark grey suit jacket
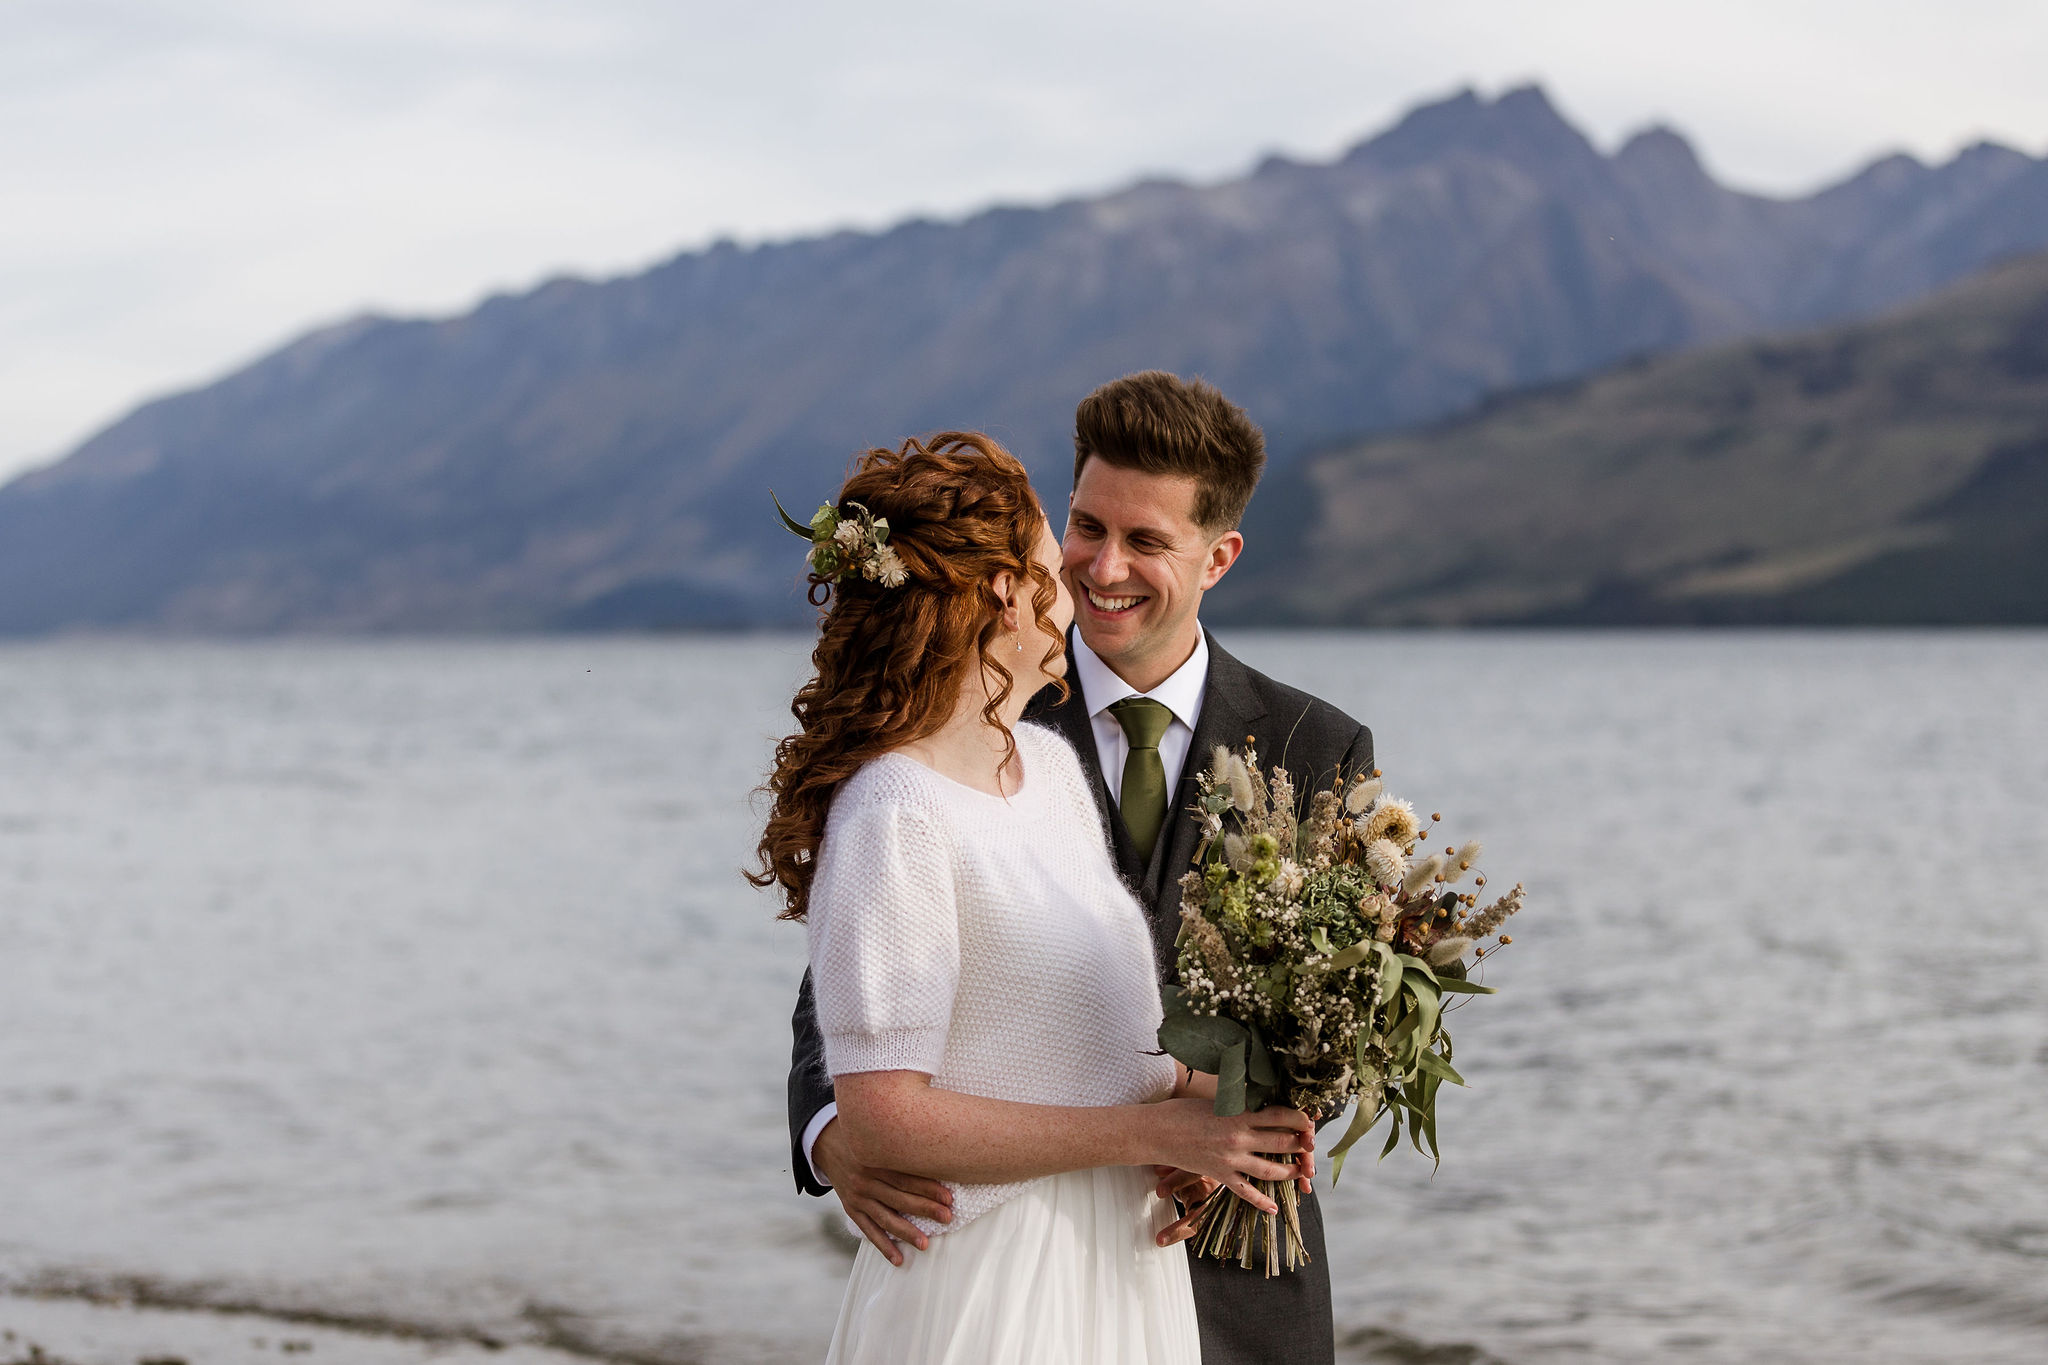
1246,1319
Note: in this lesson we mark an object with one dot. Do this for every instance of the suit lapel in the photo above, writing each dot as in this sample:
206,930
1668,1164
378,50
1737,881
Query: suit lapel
1230,711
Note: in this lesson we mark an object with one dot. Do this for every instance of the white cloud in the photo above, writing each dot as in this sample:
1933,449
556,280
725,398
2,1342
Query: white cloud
192,181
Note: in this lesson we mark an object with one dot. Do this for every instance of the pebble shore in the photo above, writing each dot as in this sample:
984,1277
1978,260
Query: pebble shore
72,1331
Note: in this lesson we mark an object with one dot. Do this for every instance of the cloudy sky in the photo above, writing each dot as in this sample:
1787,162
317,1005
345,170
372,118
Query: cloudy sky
189,182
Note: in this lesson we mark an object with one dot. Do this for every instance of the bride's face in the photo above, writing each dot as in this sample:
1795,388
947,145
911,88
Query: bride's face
1036,643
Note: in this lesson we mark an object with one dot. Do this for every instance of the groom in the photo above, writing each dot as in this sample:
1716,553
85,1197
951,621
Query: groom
1163,469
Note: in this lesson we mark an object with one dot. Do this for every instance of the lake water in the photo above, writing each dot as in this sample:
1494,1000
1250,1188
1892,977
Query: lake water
414,984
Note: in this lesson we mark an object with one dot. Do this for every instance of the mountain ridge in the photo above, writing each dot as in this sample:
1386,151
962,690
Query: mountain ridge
1888,471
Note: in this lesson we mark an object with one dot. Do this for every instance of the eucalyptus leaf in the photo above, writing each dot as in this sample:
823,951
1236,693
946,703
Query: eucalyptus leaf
1390,982
1414,963
1428,1006
1199,1039
1352,956
1405,1047
1438,1067
1364,1118
1403,1029
1426,1114
1230,1081
790,523
1452,985
1259,1061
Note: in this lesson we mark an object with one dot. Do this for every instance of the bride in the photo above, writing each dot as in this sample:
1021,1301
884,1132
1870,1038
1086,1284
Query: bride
985,982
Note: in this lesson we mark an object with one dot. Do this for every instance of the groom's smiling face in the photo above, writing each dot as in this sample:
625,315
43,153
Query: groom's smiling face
1138,563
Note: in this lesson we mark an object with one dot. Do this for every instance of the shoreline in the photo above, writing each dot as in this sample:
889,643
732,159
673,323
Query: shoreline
105,1326
77,1325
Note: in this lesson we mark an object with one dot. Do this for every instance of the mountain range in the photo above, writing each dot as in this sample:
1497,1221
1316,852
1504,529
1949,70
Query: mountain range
598,453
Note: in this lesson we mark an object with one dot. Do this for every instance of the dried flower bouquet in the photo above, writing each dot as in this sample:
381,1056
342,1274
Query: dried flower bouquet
1315,956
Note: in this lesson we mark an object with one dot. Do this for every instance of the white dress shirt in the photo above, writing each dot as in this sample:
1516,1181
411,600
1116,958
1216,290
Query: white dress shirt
1182,693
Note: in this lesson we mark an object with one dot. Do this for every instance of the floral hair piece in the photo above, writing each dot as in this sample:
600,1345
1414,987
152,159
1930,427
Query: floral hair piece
855,541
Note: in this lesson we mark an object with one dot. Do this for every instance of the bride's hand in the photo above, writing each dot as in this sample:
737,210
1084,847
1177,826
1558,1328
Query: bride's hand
1229,1150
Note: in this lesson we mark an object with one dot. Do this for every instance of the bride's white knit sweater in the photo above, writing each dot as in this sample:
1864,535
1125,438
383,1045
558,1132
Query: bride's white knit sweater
987,942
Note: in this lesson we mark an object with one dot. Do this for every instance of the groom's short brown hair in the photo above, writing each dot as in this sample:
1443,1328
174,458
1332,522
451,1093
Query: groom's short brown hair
1163,424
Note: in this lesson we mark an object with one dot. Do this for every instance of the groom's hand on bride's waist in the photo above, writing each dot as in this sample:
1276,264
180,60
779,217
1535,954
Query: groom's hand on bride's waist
1192,1191
879,1202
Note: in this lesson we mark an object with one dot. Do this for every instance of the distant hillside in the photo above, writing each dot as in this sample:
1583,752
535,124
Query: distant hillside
597,453
1893,471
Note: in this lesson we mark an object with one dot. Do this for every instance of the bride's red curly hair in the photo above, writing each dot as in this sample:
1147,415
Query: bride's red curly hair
890,662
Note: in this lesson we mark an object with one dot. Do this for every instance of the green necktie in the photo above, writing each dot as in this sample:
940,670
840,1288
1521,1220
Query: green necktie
1143,802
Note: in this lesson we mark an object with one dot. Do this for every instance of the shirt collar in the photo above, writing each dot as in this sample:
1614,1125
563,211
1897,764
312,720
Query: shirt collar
1181,693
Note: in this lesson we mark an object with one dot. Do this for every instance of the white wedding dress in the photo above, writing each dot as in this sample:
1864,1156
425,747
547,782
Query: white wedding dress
990,944
1064,1271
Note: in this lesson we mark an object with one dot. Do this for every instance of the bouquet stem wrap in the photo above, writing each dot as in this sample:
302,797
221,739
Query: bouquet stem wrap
1234,1230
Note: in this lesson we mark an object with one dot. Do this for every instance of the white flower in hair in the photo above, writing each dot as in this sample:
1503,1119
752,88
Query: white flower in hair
849,543
891,573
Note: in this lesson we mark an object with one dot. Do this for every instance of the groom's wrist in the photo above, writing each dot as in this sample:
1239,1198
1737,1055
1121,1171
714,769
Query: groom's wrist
812,1129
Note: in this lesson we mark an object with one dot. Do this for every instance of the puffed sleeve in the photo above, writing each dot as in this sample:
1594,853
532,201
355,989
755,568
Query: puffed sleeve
884,932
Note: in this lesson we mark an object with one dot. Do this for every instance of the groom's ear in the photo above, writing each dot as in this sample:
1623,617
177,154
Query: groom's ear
1223,553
